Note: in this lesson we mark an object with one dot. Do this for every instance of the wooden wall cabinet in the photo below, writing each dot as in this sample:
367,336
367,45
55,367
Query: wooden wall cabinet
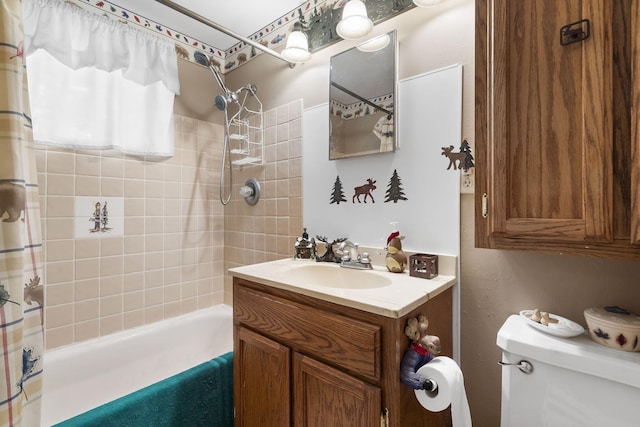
557,160
302,361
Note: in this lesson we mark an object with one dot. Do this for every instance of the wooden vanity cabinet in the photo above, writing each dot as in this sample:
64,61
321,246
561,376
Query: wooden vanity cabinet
556,169
303,361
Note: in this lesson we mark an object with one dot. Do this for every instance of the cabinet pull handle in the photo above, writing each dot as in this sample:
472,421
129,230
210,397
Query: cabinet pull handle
485,212
575,32
384,418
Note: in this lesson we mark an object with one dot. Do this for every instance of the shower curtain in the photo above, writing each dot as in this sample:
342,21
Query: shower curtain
21,288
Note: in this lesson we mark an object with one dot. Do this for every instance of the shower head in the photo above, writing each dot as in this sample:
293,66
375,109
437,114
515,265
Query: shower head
203,59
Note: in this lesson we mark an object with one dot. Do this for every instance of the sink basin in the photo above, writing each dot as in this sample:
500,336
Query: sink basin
334,276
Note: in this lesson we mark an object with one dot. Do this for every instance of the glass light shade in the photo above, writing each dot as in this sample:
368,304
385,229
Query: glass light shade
427,3
354,23
297,48
374,44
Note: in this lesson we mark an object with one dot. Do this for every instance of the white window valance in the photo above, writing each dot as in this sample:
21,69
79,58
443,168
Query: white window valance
95,83
79,38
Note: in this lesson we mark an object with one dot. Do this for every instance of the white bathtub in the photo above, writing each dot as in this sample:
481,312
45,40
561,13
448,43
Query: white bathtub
82,376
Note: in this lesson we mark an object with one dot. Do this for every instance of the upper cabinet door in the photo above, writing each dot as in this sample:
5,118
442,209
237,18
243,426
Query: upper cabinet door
557,112
635,127
549,120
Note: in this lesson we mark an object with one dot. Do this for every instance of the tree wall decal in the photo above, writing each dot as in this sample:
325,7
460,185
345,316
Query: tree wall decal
394,191
468,158
337,195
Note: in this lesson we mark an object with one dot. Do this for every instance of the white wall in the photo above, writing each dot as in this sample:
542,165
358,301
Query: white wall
430,115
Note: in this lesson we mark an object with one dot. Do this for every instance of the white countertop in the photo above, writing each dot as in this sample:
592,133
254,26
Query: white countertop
402,294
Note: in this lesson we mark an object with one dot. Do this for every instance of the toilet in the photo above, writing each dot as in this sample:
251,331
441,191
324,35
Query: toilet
572,381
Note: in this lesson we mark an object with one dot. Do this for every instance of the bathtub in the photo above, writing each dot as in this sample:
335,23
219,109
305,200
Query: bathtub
82,376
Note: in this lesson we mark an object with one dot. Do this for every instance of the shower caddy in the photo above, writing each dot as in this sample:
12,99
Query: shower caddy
246,134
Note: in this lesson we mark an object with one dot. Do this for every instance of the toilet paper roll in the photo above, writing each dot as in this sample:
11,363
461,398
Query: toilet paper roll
447,374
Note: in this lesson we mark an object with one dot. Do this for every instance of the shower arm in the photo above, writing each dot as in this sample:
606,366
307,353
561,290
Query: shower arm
183,10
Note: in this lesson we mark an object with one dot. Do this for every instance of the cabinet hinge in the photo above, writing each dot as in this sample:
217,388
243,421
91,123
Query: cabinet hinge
485,202
384,418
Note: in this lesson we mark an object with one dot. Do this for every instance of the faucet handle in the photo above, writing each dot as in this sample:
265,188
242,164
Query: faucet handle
364,258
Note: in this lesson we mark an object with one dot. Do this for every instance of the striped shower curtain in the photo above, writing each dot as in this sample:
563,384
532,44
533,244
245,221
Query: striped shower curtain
21,287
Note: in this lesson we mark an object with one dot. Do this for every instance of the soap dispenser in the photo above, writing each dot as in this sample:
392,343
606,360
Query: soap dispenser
396,260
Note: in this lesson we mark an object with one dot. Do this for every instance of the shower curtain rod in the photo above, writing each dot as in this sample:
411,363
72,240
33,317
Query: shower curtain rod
183,10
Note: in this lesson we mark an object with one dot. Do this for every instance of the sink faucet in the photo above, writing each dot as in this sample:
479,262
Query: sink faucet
351,258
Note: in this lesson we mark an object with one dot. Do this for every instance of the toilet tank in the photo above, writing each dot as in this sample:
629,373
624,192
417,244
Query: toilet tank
574,382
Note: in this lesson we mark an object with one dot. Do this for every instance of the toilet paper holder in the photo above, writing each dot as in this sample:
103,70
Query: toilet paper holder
423,349
430,386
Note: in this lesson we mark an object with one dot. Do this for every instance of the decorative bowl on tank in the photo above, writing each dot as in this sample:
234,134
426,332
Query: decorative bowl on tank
614,327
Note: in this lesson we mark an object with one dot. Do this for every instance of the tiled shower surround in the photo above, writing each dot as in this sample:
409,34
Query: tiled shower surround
267,231
177,240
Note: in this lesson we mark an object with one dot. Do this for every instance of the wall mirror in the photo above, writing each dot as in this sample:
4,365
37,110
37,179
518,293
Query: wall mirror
362,99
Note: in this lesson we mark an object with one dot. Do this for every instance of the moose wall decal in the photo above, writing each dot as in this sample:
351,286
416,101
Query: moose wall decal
464,158
453,157
365,189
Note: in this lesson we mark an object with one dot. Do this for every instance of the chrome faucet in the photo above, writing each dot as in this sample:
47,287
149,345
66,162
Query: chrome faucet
351,258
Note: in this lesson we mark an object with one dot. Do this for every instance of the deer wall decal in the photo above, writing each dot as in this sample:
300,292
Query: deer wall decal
365,189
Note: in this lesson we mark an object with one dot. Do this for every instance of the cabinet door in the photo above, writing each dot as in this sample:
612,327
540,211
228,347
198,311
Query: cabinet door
544,121
324,396
635,128
261,375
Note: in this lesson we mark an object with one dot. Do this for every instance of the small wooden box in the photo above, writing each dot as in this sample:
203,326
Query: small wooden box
423,265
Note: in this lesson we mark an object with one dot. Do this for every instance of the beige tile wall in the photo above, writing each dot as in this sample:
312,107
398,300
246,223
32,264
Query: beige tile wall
178,239
267,231
170,259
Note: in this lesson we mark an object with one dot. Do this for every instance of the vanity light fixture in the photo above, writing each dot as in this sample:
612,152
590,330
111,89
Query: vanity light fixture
354,23
297,48
427,3
374,44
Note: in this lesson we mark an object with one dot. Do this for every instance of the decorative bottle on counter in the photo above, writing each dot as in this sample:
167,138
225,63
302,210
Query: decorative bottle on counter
396,260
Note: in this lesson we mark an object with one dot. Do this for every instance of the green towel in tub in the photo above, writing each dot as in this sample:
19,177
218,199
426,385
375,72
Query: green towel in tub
201,396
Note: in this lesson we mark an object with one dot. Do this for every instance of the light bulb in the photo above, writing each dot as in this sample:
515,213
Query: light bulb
297,48
354,23
427,3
